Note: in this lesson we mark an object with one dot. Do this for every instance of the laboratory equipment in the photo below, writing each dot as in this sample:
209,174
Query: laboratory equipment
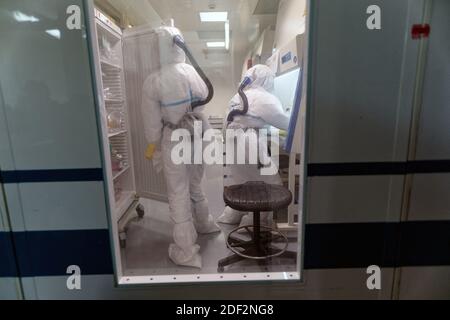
288,61
114,117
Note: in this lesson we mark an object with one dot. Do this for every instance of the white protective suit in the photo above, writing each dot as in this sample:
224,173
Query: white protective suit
167,97
264,109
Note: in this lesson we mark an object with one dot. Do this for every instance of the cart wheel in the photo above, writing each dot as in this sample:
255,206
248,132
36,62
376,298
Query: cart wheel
221,269
140,211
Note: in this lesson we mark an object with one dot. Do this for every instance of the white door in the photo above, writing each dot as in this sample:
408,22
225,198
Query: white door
141,57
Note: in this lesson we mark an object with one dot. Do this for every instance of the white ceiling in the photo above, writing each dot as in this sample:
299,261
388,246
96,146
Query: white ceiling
245,27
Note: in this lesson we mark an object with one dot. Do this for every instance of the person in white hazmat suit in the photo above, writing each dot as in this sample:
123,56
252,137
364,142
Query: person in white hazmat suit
264,109
168,98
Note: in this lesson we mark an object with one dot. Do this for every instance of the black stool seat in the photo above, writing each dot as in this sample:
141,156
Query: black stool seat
256,197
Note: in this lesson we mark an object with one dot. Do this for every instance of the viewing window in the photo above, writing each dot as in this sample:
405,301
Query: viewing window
202,111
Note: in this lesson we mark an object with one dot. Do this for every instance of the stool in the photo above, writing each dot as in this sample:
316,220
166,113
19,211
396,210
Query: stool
256,197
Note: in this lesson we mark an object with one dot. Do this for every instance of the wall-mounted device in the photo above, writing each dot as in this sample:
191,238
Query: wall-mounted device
288,63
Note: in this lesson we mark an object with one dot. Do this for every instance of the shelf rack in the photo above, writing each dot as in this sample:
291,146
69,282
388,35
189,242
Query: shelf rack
112,88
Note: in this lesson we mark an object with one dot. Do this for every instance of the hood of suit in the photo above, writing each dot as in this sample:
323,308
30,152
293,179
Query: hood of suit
169,52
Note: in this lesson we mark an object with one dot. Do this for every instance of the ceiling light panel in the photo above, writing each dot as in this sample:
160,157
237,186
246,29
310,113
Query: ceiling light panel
214,16
216,44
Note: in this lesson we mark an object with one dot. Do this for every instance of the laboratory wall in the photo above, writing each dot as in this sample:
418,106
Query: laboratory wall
224,90
9,282
51,171
360,98
144,9
361,88
9,276
291,20
430,201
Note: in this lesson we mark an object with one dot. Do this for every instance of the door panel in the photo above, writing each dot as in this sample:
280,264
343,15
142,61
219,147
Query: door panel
48,133
40,68
140,56
429,200
9,281
434,130
362,81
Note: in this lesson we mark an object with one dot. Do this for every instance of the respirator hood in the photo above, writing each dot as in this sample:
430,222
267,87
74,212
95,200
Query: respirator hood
261,76
169,52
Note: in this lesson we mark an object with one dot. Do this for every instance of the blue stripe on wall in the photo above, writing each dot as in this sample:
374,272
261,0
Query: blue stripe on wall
356,169
428,166
50,253
359,245
65,175
8,267
328,246
314,170
378,168
350,245
425,243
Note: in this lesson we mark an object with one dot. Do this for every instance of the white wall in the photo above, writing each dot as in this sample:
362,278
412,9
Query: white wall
223,92
136,12
290,21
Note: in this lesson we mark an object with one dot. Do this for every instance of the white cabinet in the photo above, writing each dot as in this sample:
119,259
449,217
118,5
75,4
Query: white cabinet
114,117
120,71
